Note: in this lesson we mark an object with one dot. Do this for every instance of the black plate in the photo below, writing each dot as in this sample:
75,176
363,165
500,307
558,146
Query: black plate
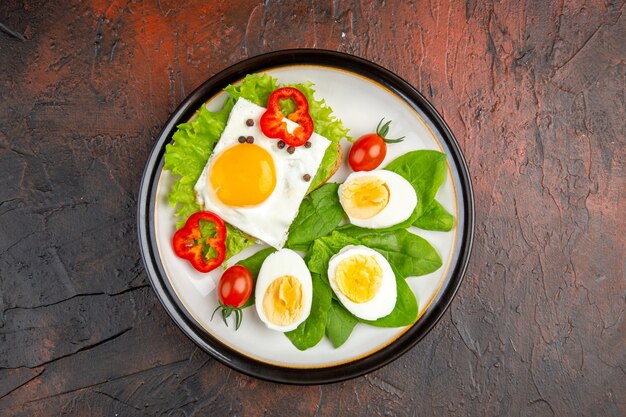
245,364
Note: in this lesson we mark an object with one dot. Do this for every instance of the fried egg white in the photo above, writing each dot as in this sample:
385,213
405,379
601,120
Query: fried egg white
377,199
257,187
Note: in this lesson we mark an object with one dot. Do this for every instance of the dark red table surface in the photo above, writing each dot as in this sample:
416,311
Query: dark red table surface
534,92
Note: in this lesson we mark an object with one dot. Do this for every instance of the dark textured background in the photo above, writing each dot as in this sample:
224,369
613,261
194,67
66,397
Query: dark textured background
534,91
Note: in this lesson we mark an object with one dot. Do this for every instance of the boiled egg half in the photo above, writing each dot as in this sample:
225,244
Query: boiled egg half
284,291
377,199
363,281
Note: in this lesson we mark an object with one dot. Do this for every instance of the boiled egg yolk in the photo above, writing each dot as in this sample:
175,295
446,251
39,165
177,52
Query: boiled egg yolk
359,278
364,197
243,175
282,302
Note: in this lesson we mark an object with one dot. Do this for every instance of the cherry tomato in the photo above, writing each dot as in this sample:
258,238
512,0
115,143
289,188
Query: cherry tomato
369,151
233,290
235,286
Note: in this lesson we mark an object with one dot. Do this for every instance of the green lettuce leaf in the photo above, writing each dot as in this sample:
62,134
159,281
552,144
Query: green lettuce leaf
186,157
255,87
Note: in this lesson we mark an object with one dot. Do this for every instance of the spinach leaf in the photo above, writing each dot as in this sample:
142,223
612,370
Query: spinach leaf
410,254
311,331
320,212
340,324
435,217
253,263
426,170
318,257
324,248
405,311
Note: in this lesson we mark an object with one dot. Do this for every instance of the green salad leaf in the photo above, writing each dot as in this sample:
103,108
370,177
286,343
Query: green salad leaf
435,217
255,87
236,240
340,324
254,263
426,170
324,248
320,212
187,155
410,254
311,331
193,143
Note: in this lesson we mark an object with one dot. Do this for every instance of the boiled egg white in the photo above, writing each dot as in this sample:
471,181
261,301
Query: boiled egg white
363,281
284,291
377,199
257,186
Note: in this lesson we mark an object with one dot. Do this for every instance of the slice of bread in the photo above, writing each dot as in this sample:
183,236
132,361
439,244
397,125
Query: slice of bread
335,167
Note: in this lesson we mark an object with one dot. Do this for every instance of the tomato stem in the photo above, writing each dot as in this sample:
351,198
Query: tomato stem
227,311
384,129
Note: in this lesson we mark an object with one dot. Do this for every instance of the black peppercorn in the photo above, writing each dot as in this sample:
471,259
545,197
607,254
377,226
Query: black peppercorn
307,144
291,150
250,139
306,177
281,144
249,122
241,139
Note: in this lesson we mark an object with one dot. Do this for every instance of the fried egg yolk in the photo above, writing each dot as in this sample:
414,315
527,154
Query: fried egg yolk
282,302
243,175
364,197
359,278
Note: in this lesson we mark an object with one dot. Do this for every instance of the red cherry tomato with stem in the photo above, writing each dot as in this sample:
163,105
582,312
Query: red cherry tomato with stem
369,151
233,291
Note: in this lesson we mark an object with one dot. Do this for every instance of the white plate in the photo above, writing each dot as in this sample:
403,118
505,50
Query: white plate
360,102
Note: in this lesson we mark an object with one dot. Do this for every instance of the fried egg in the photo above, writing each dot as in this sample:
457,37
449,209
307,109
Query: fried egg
257,186
363,281
377,199
284,291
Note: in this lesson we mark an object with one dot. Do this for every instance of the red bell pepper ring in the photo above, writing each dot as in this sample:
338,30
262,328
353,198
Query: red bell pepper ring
188,241
273,126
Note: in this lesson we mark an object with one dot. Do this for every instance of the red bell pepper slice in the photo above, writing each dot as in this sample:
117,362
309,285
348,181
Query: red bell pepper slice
273,126
188,241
